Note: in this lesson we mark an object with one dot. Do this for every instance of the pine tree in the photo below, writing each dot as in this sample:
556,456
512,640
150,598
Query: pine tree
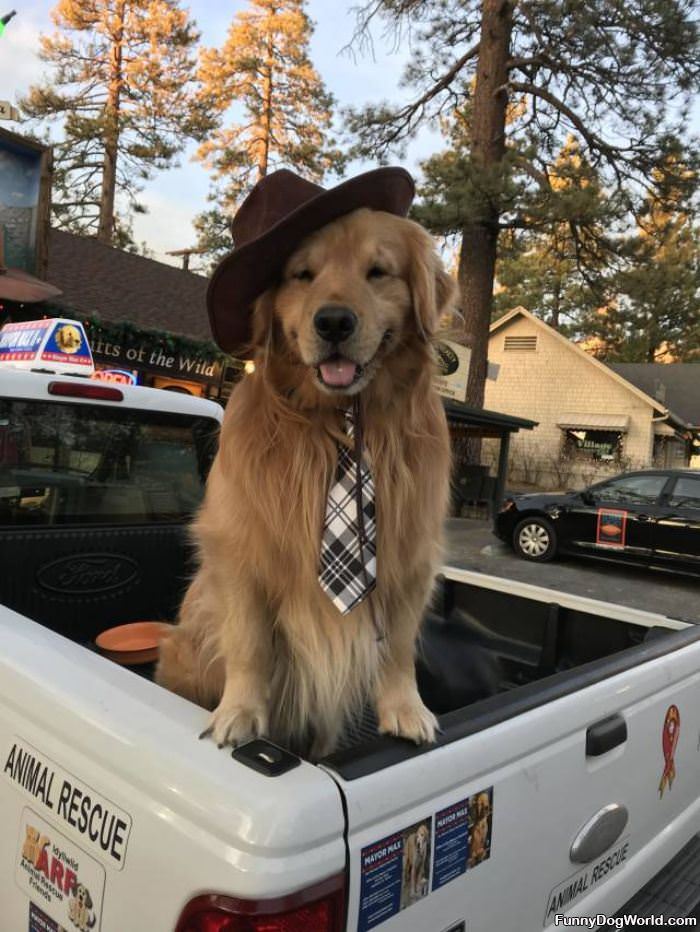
561,274
121,83
265,71
656,314
617,74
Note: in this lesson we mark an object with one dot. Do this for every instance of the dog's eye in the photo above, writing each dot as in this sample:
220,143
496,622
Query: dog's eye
303,275
376,272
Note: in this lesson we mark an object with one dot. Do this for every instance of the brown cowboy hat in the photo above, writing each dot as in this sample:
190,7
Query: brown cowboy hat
280,211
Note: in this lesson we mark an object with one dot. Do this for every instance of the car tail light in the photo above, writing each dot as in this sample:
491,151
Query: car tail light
88,390
318,909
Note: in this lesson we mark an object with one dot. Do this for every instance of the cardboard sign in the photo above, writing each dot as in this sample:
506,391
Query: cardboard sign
57,345
453,368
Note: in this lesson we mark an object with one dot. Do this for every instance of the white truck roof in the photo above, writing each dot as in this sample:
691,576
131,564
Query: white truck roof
15,383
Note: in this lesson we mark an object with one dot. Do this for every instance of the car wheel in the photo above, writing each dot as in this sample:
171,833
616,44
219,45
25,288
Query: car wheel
535,539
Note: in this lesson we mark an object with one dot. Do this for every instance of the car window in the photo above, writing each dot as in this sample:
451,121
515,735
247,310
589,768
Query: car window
686,493
73,464
632,489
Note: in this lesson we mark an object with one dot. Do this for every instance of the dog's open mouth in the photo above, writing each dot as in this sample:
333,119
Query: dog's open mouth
339,372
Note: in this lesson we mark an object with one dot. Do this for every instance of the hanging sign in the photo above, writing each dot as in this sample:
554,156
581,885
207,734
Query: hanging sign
453,370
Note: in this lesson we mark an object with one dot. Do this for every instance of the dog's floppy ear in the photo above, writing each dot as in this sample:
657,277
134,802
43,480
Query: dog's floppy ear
263,319
432,289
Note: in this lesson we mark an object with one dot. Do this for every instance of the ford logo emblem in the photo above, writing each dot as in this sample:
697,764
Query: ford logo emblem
87,573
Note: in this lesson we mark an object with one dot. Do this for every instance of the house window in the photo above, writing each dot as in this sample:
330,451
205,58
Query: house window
520,344
599,445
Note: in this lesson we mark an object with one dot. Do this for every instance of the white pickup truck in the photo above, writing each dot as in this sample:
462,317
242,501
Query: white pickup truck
565,783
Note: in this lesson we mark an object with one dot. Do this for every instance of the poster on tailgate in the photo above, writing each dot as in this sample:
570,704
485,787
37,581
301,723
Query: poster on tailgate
56,345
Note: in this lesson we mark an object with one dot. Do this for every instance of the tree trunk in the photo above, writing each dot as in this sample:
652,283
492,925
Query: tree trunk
477,259
264,158
105,227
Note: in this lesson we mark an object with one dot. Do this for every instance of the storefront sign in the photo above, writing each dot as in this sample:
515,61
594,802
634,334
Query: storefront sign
453,370
142,356
121,376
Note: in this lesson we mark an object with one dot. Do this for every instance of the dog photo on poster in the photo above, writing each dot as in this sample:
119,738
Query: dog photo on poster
462,836
395,874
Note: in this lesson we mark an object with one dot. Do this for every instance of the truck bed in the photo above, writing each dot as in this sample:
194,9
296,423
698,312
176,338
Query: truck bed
519,676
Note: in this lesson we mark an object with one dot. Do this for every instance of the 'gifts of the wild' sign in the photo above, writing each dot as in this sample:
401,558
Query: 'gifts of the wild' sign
181,365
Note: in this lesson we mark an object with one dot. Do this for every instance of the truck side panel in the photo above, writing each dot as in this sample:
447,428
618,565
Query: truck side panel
500,809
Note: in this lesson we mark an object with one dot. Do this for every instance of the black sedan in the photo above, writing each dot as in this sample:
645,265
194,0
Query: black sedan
649,518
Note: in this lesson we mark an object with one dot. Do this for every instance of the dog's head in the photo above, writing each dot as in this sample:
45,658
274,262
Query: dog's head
422,839
68,338
350,296
82,895
481,807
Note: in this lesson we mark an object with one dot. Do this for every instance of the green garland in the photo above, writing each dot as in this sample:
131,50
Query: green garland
128,334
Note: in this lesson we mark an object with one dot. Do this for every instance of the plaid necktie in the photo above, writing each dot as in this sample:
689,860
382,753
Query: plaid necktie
348,570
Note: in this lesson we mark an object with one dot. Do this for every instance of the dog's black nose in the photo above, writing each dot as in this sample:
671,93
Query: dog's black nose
335,323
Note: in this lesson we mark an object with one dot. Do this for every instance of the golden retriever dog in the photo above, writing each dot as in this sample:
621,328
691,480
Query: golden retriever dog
416,861
258,640
480,818
80,909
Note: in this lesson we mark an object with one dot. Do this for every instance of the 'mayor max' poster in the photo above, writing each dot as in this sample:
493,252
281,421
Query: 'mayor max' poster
612,528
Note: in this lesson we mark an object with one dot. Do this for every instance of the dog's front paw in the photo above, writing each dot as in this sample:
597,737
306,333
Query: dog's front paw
408,718
233,722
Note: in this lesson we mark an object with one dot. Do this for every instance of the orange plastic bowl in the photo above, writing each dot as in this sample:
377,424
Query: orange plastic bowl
134,643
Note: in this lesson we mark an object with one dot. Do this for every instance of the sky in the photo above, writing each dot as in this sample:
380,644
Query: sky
175,196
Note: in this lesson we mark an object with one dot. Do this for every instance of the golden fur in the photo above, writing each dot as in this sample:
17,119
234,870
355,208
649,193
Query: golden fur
257,637
416,864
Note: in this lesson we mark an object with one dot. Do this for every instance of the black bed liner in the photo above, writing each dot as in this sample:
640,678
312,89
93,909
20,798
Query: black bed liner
602,647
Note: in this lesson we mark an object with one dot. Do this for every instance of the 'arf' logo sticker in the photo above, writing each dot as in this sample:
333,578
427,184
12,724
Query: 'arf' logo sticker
669,740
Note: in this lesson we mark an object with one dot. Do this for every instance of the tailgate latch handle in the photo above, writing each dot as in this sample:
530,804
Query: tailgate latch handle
605,735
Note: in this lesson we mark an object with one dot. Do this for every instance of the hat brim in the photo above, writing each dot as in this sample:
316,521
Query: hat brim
244,274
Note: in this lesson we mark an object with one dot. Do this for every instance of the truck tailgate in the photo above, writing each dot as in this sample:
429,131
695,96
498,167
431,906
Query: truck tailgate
477,834
104,783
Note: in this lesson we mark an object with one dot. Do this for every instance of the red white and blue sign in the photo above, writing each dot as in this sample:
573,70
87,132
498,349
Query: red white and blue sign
20,342
58,345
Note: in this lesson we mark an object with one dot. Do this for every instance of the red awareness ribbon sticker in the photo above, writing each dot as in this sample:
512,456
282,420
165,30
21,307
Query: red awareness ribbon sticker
669,740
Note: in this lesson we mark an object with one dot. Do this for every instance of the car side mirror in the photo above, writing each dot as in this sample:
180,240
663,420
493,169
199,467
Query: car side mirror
587,497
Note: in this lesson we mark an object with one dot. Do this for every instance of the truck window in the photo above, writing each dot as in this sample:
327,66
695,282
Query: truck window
74,464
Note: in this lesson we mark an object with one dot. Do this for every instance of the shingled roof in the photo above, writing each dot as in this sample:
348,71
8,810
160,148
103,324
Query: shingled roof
118,286
676,385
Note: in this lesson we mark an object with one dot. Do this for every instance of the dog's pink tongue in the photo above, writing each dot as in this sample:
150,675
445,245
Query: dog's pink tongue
338,372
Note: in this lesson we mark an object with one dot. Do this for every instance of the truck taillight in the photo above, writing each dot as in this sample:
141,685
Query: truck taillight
94,390
318,909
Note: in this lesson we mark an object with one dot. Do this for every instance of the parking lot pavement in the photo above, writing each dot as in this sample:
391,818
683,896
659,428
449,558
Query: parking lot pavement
472,545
